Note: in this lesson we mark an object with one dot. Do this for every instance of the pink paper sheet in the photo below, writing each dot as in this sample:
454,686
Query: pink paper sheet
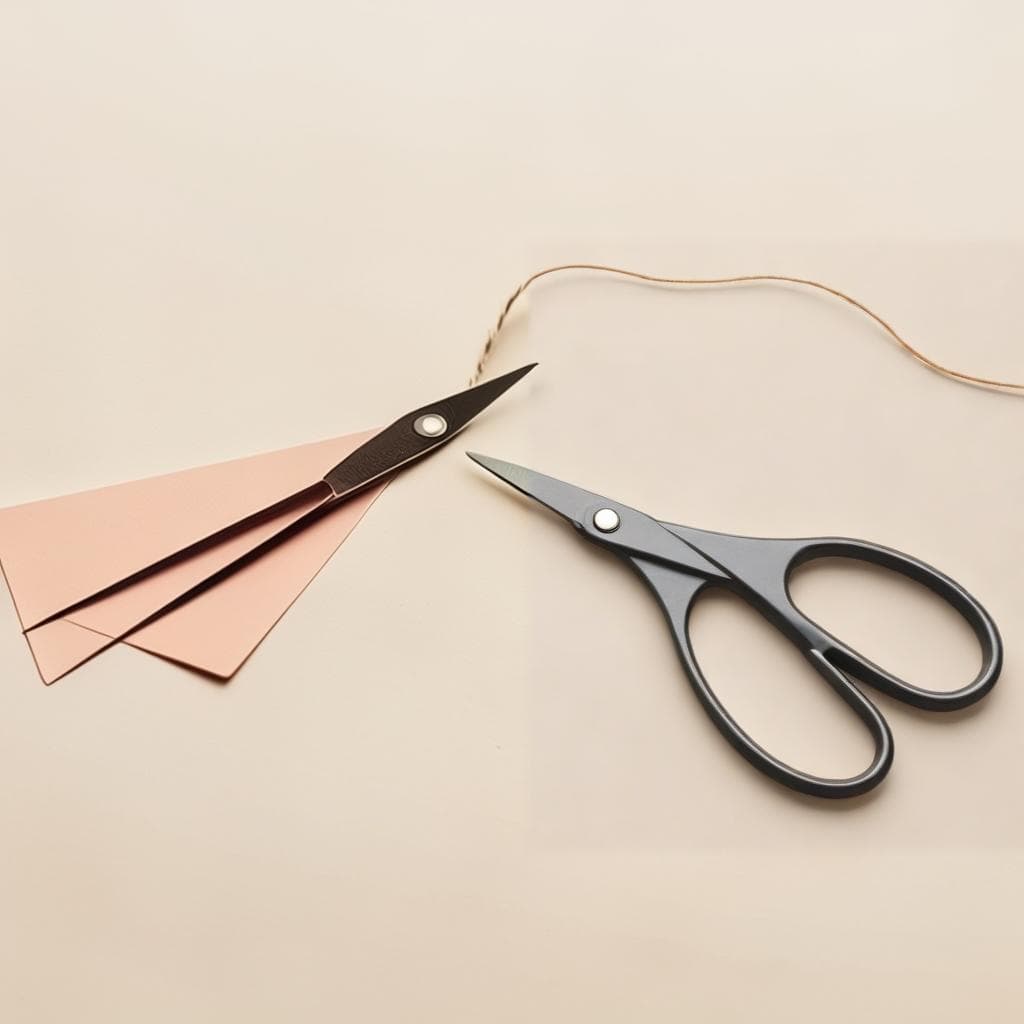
60,551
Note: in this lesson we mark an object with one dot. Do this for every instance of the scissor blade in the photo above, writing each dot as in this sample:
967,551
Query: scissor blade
416,434
385,452
633,534
565,499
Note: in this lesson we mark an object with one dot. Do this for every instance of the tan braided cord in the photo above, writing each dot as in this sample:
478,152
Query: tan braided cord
916,353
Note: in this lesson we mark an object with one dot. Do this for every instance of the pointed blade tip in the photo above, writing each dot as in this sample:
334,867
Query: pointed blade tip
484,460
514,375
561,498
508,472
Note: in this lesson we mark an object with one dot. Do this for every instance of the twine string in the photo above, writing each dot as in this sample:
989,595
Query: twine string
926,361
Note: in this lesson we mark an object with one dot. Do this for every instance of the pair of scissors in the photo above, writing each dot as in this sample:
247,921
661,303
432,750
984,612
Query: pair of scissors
679,563
407,440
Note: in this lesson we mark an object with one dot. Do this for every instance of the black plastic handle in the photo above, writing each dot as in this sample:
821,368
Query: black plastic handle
961,600
759,571
677,593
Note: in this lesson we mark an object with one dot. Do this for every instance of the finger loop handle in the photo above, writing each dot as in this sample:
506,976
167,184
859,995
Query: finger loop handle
677,593
945,588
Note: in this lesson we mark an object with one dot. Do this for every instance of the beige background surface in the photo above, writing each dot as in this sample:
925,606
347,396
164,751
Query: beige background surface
227,228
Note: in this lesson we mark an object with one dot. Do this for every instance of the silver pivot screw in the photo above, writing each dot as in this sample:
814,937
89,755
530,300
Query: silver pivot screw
430,425
606,520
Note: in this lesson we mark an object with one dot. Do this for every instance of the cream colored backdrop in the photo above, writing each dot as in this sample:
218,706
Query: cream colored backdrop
231,227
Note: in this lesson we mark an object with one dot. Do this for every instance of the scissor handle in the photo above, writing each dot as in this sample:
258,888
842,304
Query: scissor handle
677,593
947,589
759,571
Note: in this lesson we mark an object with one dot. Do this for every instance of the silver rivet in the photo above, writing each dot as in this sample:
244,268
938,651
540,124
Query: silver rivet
430,425
606,520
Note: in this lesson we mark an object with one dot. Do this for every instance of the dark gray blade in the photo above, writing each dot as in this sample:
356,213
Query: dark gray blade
403,441
634,534
565,499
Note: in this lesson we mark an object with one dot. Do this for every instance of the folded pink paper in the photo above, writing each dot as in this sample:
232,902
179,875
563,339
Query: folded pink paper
60,552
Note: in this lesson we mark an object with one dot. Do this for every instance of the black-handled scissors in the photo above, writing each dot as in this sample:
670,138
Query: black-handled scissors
679,562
